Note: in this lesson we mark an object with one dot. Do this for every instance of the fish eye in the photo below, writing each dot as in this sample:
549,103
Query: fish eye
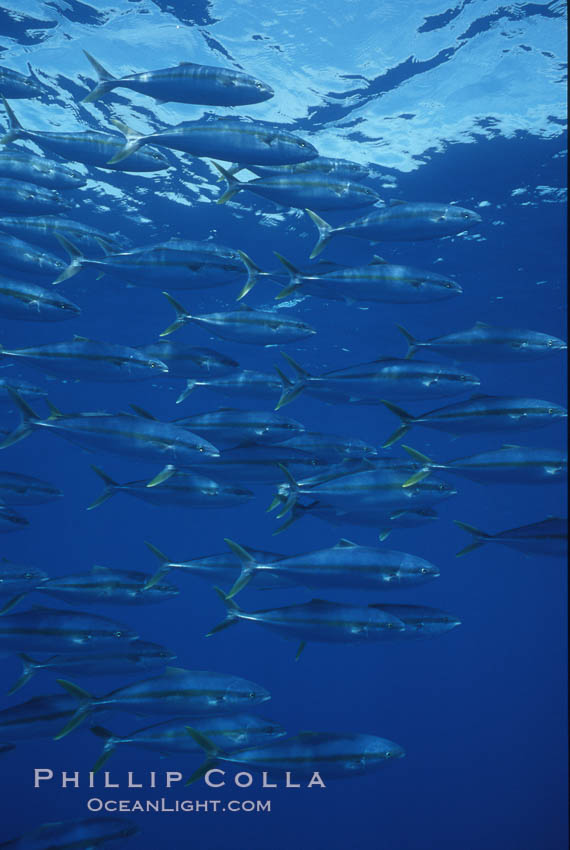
550,343
551,410
87,637
251,695
27,576
118,634
465,215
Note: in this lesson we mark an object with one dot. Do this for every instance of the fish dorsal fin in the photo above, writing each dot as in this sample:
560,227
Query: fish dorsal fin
482,325
345,544
186,63
396,202
174,671
510,446
318,601
378,261
79,338
97,568
144,414
245,308
480,396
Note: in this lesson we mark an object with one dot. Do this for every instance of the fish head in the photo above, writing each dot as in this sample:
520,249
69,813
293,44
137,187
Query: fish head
255,727
255,90
206,449
448,622
301,149
445,287
68,308
157,365
154,159
383,750
15,572
556,411
245,692
460,215
552,343
468,382
124,633
209,361
427,571
434,488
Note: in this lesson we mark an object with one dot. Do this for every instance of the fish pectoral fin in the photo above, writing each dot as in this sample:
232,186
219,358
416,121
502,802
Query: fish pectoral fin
302,646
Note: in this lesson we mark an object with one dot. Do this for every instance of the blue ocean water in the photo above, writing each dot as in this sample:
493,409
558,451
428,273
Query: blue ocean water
462,104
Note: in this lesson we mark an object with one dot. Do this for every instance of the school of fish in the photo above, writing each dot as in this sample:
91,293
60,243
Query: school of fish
213,459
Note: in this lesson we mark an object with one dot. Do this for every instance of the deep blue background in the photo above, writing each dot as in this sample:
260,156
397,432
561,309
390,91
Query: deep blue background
481,712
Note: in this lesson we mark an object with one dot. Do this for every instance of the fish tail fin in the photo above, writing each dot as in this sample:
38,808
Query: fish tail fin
182,317
201,771
234,185
248,567
302,373
325,233
76,259
421,473
252,272
29,667
406,419
292,518
481,537
86,701
190,384
411,340
27,417
163,569
15,129
290,390
231,614
109,490
133,142
294,278
290,501
109,746
107,81
11,603
234,168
